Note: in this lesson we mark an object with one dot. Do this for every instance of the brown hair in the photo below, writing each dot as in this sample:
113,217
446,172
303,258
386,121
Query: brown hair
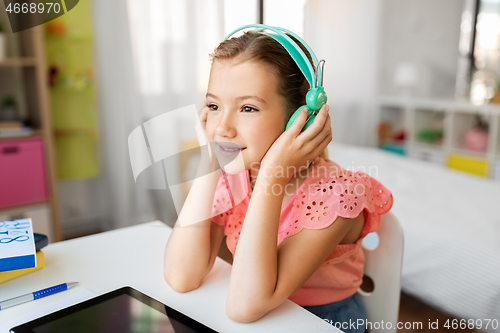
253,46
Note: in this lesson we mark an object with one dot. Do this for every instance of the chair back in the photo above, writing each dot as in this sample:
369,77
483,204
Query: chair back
383,266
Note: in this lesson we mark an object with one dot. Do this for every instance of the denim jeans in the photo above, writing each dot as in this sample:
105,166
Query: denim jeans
342,314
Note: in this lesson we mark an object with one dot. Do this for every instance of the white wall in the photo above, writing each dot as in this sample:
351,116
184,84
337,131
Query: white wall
346,34
426,33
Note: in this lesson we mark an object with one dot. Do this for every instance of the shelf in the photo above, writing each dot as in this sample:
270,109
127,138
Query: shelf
439,129
25,205
427,154
75,131
450,105
428,147
70,37
473,110
70,89
19,62
24,75
470,153
35,134
28,206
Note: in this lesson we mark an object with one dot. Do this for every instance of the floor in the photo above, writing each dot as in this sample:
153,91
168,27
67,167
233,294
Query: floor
413,310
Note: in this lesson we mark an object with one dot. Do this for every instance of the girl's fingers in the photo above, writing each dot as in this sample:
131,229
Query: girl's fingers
321,134
323,144
203,116
213,156
325,131
299,122
317,125
201,110
200,130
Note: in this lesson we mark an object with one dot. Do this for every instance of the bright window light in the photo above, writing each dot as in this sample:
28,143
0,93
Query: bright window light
238,13
288,14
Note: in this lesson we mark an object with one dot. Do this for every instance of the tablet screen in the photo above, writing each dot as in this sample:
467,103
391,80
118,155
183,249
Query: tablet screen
119,314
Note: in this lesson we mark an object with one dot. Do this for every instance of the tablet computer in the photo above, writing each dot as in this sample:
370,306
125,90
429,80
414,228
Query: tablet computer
121,310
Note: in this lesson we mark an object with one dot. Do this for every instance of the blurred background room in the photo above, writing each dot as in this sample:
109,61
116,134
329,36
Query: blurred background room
413,88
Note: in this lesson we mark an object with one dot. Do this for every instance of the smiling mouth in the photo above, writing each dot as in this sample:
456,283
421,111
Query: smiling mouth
230,151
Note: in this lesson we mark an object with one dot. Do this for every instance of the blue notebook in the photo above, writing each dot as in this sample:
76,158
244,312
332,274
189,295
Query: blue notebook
17,245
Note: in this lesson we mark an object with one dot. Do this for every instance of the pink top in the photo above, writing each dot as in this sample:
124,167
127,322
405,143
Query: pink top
328,191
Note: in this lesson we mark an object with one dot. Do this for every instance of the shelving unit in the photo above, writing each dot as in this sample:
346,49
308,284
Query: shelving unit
24,74
18,62
435,132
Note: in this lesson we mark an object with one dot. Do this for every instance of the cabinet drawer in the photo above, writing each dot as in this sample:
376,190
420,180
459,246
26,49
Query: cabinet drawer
22,172
476,166
435,157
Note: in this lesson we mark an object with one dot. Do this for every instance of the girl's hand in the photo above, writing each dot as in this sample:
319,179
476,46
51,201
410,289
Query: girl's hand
294,150
201,125
201,133
203,116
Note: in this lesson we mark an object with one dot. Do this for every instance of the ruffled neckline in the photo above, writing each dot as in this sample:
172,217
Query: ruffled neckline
292,197
312,177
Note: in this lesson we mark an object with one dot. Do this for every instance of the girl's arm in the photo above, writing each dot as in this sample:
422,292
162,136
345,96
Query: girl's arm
263,273
194,242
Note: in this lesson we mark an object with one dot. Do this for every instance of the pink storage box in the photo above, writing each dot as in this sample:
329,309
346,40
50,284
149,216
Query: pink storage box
22,172
476,140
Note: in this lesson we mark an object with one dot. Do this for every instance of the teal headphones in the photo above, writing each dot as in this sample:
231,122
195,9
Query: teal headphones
316,96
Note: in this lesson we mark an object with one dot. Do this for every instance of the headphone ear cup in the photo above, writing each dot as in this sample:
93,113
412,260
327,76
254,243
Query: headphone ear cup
296,114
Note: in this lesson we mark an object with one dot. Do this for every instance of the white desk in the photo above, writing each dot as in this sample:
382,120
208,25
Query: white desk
134,257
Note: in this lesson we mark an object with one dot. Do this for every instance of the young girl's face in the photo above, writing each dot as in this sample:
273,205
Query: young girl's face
245,111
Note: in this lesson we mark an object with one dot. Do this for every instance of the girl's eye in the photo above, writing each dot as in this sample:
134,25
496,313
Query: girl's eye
246,108
249,109
211,107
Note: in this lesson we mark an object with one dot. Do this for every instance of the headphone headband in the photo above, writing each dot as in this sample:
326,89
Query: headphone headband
293,49
316,96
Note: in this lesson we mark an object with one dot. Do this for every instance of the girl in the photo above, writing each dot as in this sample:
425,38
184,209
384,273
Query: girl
293,234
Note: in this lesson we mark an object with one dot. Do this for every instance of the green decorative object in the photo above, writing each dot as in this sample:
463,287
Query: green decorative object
431,136
8,110
9,100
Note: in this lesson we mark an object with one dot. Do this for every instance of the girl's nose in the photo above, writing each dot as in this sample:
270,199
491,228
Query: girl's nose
225,126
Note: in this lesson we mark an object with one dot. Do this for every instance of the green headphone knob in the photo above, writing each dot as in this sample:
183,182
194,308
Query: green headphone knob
316,98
